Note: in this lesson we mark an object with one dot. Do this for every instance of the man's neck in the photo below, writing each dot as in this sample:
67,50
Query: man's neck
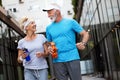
58,19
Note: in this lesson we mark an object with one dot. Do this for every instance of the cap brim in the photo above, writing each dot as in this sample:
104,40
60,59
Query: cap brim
47,9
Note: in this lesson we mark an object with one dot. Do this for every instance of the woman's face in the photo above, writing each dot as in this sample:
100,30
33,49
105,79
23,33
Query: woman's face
31,26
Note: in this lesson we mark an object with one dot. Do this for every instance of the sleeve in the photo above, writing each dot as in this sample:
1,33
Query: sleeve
77,27
43,38
49,38
20,44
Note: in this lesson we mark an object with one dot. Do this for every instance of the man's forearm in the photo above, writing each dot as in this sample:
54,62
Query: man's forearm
85,37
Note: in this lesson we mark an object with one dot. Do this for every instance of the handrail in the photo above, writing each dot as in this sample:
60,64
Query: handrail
10,21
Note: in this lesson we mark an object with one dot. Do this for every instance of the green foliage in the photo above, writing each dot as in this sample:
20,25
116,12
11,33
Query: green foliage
74,3
0,2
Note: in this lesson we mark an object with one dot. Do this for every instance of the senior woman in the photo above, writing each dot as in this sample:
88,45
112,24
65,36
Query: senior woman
32,45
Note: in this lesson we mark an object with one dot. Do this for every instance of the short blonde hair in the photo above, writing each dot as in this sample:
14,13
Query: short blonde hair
22,21
25,22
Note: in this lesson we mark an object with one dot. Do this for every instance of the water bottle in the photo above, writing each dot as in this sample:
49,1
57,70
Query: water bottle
54,54
28,56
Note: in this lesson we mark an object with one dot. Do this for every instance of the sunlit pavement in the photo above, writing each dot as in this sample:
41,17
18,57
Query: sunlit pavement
88,77
91,78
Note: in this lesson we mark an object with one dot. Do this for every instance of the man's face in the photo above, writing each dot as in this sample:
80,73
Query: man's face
52,15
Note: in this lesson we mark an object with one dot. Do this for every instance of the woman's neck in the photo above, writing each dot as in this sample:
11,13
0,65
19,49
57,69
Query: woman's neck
30,36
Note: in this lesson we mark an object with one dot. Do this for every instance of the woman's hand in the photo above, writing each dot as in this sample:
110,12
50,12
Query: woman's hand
21,55
39,54
24,55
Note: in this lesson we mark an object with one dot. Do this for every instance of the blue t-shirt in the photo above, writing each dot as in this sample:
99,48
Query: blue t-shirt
33,47
63,35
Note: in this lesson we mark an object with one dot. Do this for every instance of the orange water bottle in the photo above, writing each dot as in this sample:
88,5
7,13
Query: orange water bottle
54,54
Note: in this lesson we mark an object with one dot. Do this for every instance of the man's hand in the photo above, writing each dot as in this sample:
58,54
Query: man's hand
50,50
80,46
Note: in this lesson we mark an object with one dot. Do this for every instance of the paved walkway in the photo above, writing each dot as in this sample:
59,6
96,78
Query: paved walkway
88,77
91,78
